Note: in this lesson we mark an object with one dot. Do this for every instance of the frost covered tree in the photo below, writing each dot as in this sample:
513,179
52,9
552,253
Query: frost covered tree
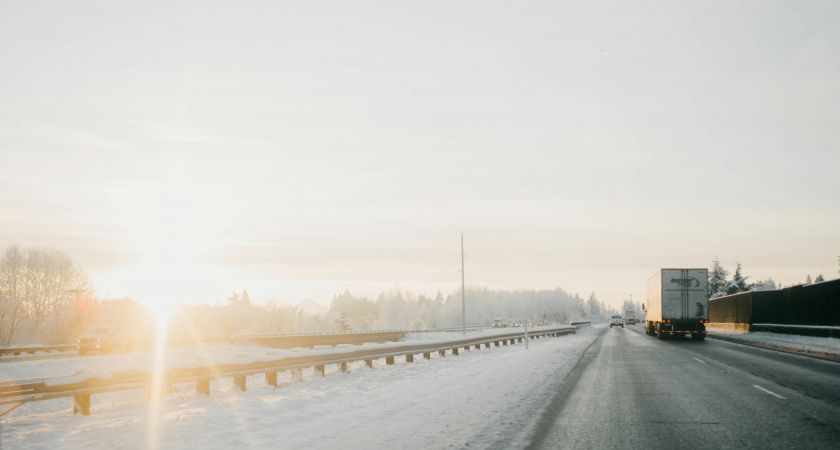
819,279
343,322
764,285
596,309
233,299
717,280
738,283
244,297
808,280
34,286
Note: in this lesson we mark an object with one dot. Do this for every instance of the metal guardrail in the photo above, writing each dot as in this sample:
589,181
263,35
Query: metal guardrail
229,338
44,348
17,392
311,340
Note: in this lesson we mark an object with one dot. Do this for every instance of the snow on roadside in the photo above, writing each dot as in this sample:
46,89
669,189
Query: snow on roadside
829,346
485,398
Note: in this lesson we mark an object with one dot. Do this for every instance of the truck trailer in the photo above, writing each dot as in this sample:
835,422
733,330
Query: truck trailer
677,303
630,317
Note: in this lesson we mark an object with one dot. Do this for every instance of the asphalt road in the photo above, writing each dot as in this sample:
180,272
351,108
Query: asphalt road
631,390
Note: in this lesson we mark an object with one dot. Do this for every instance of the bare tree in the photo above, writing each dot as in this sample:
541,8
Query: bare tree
34,285
12,294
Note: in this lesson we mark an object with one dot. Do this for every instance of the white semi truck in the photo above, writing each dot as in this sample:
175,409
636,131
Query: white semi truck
677,303
630,317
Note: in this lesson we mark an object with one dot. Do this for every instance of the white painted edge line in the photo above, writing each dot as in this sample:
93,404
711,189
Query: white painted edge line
698,359
768,391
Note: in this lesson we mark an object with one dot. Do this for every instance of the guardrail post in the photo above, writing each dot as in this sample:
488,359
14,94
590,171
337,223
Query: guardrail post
409,358
478,346
442,353
497,343
467,348
203,386
320,369
270,378
369,362
343,367
239,382
427,355
81,404
455,351
389,360
486,345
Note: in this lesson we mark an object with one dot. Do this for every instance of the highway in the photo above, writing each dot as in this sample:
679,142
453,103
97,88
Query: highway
631,390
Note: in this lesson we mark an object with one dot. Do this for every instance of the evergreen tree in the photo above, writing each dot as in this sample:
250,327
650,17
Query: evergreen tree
343,322
717,280
439,298
764,285
233,299
244,299
808,280
819,279
738,282
595,309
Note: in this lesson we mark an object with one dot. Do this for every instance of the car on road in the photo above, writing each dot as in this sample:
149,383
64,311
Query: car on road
616,321
105,339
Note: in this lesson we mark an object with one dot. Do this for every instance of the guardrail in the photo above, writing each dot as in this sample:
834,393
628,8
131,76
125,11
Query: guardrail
263,338
311,340
82,385
46,348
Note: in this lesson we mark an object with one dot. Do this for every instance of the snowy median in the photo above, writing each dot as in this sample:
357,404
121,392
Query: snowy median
488,396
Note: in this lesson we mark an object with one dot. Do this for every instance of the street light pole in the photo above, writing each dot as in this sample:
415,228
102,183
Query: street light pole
463,296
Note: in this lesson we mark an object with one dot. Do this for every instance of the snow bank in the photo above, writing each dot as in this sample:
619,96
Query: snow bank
807,344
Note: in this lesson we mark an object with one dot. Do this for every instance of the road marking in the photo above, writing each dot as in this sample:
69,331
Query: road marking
698,359
672,347
768,391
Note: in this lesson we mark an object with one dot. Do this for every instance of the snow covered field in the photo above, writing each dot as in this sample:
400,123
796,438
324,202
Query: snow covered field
487,398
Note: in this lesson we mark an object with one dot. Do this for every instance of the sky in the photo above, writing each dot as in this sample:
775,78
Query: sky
179,151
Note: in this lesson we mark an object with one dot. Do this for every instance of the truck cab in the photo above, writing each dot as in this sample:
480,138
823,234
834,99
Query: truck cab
616,321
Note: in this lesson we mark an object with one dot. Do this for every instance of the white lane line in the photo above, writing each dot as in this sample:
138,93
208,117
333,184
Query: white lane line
768,391
673,347
698,359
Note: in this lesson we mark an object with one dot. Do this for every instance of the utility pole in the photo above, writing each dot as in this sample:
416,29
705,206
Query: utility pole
463,296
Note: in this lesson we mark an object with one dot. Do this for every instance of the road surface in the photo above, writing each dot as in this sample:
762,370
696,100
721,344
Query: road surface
631,390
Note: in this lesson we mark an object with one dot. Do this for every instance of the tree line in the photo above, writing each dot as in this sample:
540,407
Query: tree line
720,285
391,309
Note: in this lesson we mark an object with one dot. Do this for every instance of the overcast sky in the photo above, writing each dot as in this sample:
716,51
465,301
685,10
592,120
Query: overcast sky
182,150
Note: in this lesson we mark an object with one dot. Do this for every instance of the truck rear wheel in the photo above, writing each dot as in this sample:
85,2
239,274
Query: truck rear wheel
659,333
698,336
